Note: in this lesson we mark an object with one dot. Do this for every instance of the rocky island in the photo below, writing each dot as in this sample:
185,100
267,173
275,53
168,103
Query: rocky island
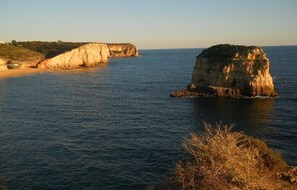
122,50
230,70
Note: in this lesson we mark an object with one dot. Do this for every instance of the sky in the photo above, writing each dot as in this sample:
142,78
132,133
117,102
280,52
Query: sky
152,24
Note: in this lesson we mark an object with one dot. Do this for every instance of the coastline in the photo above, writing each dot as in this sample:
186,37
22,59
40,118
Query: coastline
31,70
13,73
100,89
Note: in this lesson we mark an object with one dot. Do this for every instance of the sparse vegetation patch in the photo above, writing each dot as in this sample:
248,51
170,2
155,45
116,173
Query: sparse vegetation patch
226,51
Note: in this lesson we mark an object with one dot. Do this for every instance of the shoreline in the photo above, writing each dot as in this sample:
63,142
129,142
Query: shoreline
31,70
19,72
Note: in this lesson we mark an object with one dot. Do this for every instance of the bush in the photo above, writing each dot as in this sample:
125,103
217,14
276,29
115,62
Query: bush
222,159
269,159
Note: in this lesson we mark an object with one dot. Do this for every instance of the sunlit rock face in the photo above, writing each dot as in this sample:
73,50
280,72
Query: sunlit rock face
231,70
2,62
88,55
3,66
122,50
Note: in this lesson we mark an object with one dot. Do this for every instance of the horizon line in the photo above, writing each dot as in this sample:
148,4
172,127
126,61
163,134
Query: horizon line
161,48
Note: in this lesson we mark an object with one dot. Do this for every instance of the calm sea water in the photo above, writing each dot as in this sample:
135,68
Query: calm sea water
116,127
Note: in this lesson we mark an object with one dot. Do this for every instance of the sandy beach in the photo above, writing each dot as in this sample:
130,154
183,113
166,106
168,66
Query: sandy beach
30,70
11,73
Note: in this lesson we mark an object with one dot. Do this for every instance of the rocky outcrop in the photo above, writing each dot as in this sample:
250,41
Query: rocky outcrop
231,70
84,56
3,66
122,50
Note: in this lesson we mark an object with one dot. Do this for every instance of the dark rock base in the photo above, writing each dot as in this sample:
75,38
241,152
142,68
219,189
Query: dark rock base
211,91
186,93
207,92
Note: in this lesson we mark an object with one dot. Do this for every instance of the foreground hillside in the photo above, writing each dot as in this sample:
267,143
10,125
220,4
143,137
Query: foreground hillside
221,159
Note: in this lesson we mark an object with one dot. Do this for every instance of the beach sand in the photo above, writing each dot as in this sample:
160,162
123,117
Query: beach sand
29,70
11,73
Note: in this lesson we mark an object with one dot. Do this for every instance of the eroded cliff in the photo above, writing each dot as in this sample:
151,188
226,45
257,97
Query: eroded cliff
231,70
122,50
87,55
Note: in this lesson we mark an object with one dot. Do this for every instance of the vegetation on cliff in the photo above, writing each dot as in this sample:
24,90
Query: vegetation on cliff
226,51
49,49
222,159
19,54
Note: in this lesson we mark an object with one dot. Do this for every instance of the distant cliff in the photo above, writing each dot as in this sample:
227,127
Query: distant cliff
87,55
231,70
122,50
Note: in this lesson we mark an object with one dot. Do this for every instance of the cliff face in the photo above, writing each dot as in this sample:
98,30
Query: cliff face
3,66
229,70
122,50
87,55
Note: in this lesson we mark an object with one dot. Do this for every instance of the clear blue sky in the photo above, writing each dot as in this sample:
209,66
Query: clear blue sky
152,23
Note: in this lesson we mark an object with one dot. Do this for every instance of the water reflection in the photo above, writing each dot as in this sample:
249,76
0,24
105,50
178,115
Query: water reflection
79,71
250,115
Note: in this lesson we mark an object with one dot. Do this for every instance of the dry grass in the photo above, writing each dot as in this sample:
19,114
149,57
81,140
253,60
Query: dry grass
19,54
222,159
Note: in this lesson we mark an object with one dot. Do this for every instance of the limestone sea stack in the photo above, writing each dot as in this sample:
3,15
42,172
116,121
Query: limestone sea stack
122,50
91,54
230,70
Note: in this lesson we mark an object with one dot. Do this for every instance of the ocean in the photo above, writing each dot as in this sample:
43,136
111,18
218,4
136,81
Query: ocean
116,126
